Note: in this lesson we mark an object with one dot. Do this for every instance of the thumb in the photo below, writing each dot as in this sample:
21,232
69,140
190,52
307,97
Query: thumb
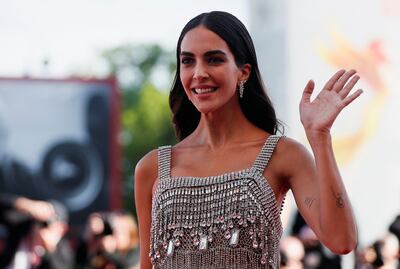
308,90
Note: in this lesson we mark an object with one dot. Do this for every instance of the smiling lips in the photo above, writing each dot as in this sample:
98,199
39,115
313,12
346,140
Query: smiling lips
203,90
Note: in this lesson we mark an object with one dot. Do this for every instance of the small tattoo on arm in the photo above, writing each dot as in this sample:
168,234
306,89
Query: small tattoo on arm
309,201
339,198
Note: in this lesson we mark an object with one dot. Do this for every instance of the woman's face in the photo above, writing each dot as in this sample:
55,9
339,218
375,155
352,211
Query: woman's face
208,70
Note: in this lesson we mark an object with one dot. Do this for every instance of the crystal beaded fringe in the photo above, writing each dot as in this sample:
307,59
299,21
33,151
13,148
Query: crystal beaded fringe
234,213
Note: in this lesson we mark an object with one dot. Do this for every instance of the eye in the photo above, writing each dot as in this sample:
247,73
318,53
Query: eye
186,60
215,60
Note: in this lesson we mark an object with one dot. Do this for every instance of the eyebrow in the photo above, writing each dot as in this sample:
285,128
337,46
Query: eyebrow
207,54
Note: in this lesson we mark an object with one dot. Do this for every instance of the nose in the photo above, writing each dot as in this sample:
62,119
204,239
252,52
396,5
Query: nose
200,72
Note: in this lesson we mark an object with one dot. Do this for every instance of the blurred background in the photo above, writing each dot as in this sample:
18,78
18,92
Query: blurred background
83,96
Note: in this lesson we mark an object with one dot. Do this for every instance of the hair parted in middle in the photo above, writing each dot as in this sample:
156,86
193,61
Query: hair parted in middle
255,104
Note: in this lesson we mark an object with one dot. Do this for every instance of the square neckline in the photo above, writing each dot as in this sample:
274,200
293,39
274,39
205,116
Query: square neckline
256,170
260,154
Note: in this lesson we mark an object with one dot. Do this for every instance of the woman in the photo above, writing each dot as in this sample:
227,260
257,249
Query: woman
213,199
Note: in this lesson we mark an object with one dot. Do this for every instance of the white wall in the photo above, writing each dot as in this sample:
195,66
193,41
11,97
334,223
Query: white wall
300,40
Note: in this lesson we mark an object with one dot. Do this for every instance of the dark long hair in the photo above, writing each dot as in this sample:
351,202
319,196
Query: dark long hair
255,104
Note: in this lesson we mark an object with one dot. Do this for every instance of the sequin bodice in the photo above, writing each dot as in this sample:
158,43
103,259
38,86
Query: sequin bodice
217,222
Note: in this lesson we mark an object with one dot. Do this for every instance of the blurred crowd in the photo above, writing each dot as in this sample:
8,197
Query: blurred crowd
36,234
302,250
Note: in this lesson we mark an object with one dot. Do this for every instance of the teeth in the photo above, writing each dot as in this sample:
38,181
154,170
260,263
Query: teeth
200,91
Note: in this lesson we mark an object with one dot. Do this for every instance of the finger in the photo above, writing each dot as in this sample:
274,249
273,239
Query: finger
338,86
307,92
346,90
328,86
352,97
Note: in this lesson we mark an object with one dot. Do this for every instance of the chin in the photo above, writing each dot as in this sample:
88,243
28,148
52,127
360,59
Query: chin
205,109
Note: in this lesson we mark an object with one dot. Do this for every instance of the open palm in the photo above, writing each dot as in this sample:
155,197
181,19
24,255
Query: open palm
320,113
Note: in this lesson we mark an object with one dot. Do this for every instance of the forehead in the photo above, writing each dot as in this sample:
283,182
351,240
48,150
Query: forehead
200,40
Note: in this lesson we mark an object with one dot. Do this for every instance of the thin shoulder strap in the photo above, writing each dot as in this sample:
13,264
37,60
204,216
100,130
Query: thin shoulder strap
266,152
164,162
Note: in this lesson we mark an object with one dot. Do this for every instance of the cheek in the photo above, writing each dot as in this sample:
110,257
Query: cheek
185,80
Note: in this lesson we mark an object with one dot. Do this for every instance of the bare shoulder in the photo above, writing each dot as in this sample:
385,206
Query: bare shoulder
292,146
146,170
292,155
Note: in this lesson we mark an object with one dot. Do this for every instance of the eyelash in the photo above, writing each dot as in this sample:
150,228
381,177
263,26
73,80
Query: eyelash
211,60
186,60
215,60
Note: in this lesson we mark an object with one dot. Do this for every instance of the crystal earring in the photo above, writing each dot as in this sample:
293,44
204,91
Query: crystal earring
241,88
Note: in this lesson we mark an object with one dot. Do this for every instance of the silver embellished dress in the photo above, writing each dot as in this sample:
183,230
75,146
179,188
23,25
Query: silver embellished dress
229,221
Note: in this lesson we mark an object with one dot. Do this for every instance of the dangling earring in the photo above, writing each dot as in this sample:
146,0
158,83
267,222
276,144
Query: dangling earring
241,87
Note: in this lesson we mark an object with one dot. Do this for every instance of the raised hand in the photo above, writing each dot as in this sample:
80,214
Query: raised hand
319,114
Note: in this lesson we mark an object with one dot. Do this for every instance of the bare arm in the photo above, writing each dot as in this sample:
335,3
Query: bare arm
321,197
145,176
317,185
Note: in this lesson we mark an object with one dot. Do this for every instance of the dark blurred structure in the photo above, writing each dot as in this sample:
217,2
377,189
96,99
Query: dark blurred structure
34,234
381,254
395,227
59,141
110,240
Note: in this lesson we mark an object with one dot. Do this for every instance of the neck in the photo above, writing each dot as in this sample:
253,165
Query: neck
223,127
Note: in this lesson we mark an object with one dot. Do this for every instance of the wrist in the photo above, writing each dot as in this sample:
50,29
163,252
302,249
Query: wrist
318,138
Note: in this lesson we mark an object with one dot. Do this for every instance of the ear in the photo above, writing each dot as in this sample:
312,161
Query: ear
245,71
